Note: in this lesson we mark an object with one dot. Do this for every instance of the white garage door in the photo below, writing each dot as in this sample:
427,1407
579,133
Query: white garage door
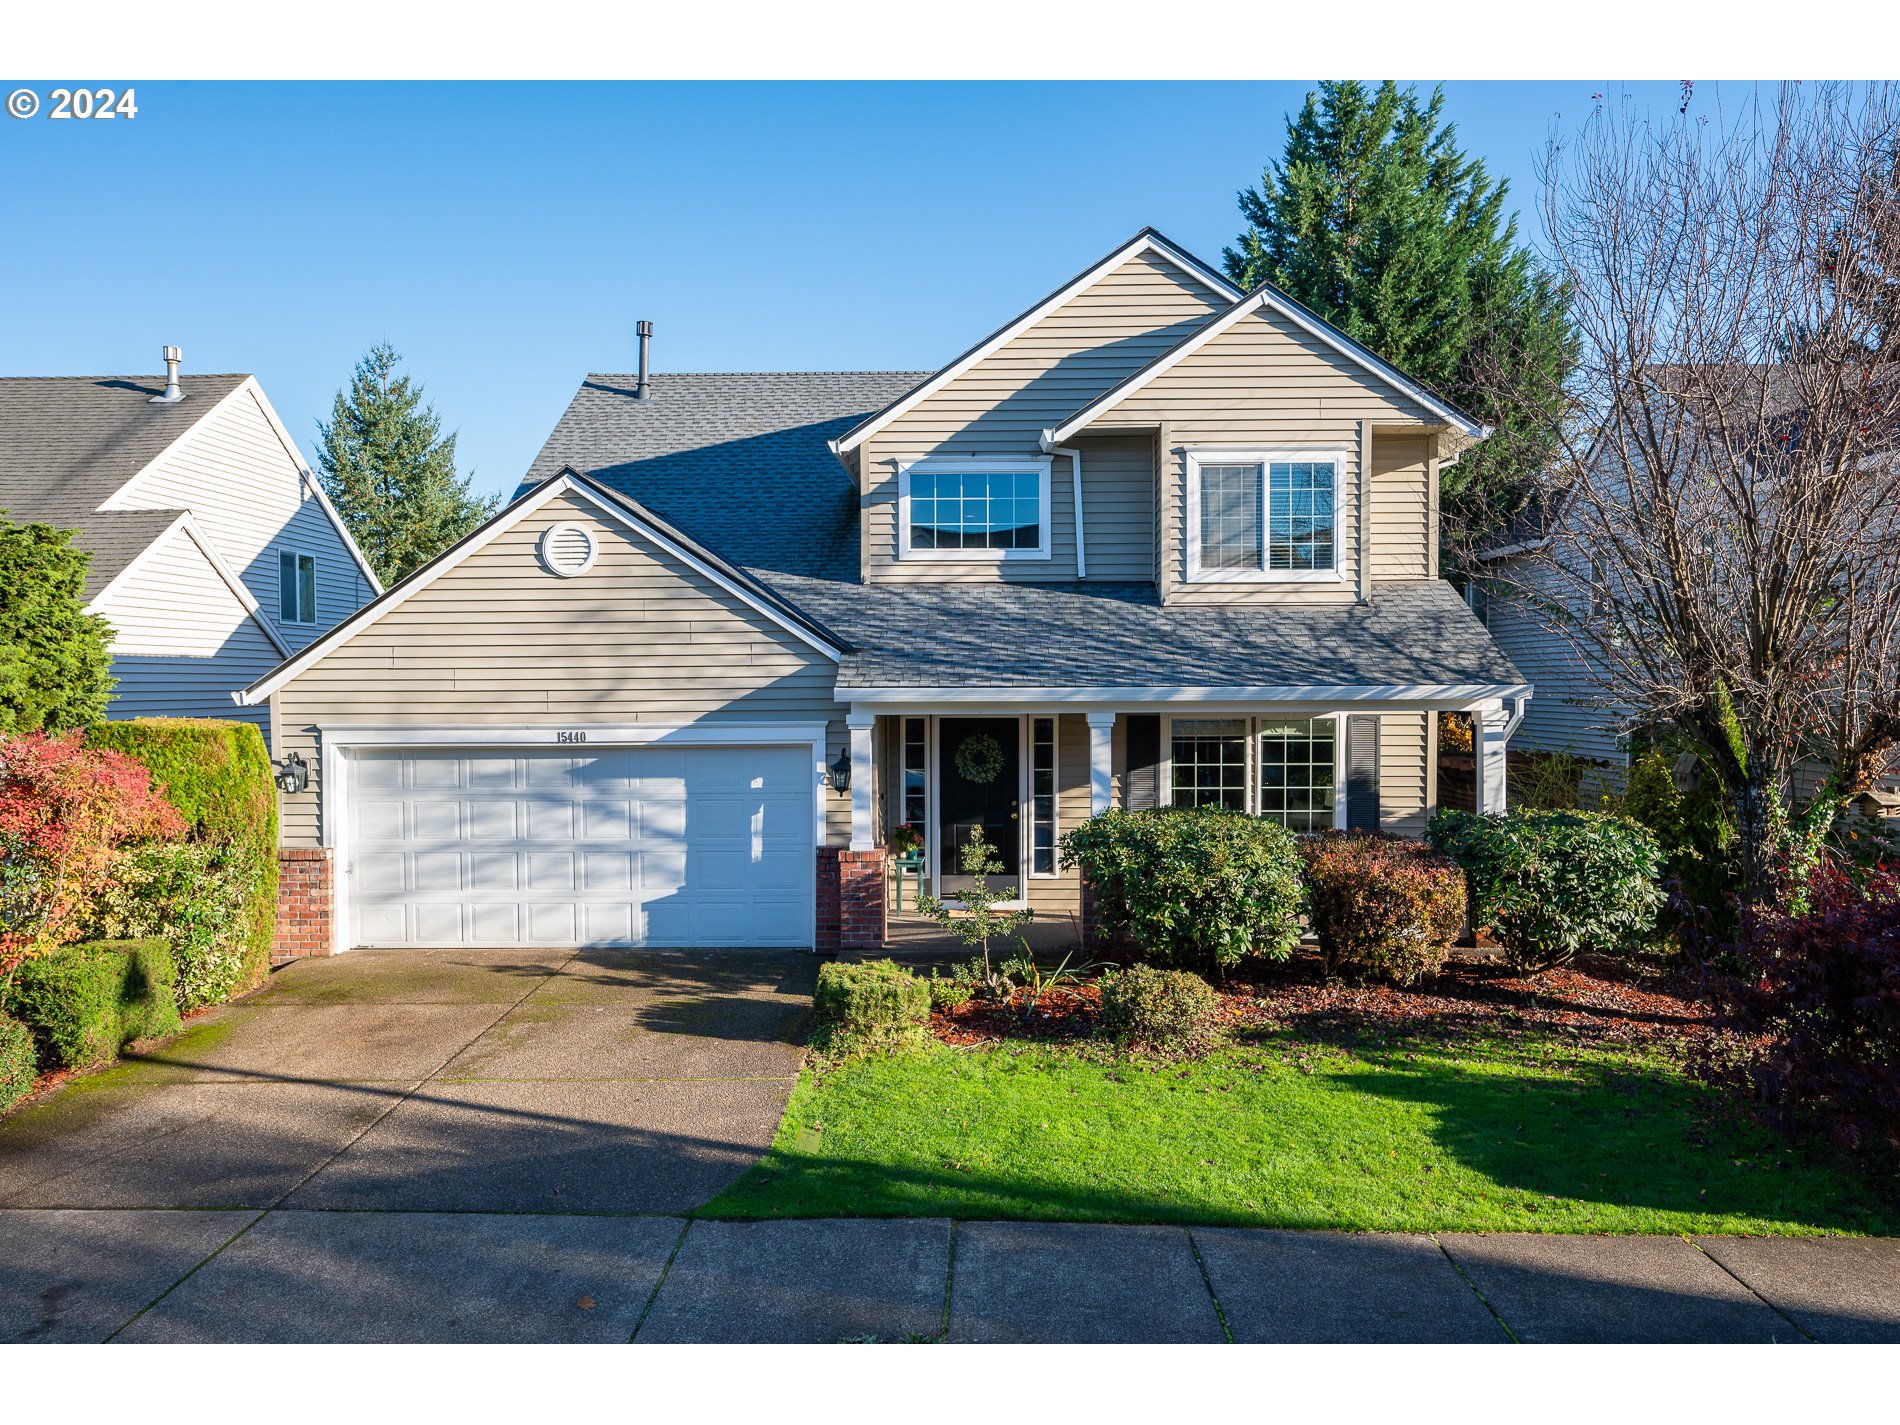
675,846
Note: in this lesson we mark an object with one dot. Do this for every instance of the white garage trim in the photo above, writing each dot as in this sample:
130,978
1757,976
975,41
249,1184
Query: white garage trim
338,743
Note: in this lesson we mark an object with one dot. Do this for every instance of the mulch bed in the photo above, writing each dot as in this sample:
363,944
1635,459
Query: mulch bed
1590,1003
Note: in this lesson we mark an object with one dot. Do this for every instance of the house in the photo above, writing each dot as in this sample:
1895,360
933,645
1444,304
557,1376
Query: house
1154,540
214,553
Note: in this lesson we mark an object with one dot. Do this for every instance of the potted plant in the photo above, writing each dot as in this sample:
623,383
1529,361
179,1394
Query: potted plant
906,842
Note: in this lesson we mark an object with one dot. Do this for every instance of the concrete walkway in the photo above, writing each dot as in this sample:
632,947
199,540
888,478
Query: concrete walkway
298,1275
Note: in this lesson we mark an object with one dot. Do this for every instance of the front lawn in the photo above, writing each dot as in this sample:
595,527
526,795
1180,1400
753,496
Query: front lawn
1525,1128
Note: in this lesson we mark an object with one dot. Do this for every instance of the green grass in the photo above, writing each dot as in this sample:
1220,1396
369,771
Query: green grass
1533,1135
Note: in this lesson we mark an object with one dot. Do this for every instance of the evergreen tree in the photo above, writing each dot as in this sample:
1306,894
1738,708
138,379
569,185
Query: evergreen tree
1377,221
55,663
390,471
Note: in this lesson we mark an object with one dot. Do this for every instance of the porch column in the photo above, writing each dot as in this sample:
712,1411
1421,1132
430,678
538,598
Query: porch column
1493,730
1101,762
863,814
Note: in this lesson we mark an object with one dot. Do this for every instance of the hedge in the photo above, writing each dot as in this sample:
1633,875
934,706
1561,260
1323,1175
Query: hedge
19,1064
86,1002
218,774
1382,906
877,1005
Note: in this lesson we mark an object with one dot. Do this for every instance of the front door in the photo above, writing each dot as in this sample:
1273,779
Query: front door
981,781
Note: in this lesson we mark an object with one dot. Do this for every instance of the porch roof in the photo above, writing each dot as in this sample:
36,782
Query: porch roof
1414,635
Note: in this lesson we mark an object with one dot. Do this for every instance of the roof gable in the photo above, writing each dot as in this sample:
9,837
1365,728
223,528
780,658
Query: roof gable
1147,245
1267,301
610,506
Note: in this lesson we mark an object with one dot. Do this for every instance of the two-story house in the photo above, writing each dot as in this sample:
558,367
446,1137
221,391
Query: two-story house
1154,541
214,553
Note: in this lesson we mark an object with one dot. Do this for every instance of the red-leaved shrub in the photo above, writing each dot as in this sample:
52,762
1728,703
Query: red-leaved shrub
1382,906
1825,988
64,810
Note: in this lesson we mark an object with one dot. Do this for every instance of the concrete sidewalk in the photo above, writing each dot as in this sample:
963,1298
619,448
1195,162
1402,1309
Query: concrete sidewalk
293,1275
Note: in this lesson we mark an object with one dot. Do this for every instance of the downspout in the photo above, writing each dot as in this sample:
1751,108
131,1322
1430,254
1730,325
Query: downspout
1075,471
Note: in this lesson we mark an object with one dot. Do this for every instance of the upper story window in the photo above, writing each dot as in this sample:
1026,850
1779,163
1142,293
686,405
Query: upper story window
1263,515
973,509
296,587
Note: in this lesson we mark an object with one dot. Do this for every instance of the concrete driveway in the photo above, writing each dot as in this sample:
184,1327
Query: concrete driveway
453,1081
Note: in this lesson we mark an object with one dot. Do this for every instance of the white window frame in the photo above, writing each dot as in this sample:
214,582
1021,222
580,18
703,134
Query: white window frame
1197,456
1026,795
297,556
1253,720
1039,465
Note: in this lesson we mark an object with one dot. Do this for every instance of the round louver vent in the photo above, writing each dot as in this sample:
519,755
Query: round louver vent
568,549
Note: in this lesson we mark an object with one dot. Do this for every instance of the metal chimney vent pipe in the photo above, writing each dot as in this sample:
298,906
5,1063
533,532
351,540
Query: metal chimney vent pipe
645,329
172,393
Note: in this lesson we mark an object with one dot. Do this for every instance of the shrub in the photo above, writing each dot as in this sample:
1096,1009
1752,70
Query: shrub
1157,1009
1549,884
878,1005
1702,872
55,664
1824,988
86,1002
217,774
958,987
1382,906
1200,884
64,810
19,1064
190,894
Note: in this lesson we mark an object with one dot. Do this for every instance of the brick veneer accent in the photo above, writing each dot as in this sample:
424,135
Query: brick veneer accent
1090,924
305,904
852,912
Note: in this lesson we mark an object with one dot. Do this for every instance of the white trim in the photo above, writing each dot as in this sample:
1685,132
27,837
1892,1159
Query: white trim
336,743
1142,242
1264,299
860,734
280,550
230,577
1027,793
1101,762
547,538
364,617
1263,457
1453,696
938,464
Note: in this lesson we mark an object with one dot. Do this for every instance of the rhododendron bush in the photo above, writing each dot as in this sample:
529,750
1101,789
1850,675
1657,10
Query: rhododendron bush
64,811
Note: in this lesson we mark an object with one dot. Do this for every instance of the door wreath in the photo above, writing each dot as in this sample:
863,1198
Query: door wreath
979,758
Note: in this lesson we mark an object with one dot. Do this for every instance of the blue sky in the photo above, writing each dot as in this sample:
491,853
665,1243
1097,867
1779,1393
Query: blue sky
506,237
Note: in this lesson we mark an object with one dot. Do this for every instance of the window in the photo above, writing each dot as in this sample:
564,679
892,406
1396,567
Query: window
1284,769
1297,781
1210,762
1263,517
296,587
916,788
1042,796
968,509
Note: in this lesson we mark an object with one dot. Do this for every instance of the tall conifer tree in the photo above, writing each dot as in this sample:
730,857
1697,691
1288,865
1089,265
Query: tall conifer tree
390,471
1376,220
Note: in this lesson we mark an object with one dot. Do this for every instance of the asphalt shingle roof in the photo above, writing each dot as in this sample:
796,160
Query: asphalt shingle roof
70,443
739,462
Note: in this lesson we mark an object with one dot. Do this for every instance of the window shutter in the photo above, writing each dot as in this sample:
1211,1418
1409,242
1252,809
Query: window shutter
1362,773
1143,780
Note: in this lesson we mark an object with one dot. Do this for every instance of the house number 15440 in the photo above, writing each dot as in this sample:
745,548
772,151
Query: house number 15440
570,737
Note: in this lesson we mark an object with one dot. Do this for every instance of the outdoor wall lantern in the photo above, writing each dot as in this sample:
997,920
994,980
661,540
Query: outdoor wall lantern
840,772
293,774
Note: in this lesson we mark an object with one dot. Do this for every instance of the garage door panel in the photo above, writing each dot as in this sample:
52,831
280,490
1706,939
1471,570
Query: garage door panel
621,846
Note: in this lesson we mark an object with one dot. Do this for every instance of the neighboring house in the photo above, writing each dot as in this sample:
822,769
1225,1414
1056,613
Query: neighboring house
1153,541
214,553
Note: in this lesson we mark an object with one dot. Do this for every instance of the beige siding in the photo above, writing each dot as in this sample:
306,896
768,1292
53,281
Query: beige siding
1405,772
1001,406
245,490
1399,532
1264,383
183,641
639,638
1118,507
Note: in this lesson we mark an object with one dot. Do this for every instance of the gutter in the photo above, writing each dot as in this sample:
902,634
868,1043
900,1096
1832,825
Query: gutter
1075,470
